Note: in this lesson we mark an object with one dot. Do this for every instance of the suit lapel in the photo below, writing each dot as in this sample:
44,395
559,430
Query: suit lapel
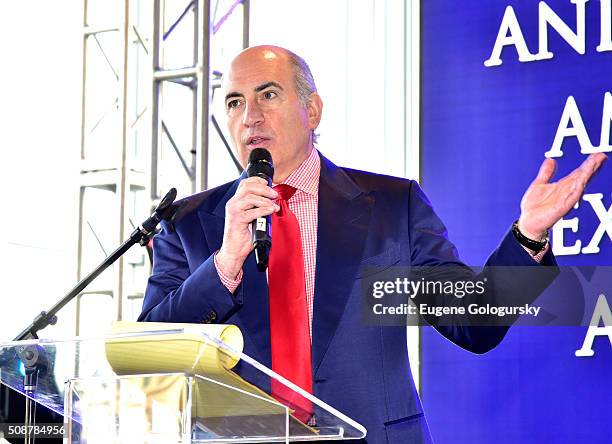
344,216
253,292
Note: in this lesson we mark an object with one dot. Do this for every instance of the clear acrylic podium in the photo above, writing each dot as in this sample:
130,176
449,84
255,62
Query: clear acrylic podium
180,385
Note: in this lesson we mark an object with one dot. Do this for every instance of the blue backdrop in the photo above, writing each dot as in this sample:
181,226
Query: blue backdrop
484,134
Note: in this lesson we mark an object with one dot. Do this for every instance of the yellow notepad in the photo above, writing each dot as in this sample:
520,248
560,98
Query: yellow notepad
217,393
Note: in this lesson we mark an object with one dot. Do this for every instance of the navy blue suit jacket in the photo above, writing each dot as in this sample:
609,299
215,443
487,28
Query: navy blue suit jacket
365,220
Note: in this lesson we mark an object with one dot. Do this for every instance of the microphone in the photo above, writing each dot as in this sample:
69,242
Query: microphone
166,211
260,165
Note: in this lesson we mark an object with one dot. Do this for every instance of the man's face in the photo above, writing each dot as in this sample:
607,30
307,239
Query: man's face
264,110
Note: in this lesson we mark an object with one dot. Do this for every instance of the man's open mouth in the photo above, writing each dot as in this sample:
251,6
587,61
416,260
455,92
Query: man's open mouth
256,141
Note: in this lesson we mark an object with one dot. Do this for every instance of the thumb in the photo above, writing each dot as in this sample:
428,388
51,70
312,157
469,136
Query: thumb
547,170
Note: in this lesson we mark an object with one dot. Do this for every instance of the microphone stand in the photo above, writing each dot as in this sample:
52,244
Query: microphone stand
33,356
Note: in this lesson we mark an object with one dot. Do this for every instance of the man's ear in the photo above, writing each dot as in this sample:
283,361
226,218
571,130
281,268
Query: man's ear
314,108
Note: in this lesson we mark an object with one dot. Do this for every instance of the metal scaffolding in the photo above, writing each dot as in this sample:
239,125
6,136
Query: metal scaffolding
121,149
201,83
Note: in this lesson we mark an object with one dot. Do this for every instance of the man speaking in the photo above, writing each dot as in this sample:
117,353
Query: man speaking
302,317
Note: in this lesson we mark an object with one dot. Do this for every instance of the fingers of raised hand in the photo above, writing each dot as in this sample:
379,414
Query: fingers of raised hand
589,167
575,182
573,192
557,198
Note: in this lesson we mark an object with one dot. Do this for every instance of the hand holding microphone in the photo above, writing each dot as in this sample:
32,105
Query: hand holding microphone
252,206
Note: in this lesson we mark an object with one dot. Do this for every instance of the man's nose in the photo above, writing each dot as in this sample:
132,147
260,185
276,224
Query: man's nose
252,115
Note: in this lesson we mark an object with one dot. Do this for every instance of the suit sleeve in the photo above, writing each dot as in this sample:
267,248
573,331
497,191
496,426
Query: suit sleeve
431,249
175,293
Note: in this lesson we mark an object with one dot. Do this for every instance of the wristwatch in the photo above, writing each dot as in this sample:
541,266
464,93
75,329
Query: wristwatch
533,245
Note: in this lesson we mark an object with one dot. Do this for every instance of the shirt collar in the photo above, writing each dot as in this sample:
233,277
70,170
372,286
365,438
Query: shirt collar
306,177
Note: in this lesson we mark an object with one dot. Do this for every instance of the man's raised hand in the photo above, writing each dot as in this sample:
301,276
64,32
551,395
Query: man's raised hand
545,202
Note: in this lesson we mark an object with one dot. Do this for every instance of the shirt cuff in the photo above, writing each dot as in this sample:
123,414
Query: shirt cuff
538,257
229,283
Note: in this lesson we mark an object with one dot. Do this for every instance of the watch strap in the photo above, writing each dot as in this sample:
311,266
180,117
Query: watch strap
533,245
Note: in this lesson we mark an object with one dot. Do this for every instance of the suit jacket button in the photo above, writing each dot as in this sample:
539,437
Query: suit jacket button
211,316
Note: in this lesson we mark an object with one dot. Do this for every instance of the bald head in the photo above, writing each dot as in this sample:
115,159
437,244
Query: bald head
271,102
304,81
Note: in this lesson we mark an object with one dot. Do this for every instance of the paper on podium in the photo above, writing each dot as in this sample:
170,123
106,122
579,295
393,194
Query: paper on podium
191,353
168,353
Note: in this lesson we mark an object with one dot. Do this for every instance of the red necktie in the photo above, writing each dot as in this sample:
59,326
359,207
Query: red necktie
289,327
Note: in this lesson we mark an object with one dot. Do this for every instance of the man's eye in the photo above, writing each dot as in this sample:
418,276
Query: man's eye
268,95
233,104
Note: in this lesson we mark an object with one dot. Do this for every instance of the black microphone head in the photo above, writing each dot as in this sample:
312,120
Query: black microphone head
167,200
260,164
260,154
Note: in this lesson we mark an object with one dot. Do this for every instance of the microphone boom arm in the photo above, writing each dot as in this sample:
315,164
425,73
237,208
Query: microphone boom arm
164,211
